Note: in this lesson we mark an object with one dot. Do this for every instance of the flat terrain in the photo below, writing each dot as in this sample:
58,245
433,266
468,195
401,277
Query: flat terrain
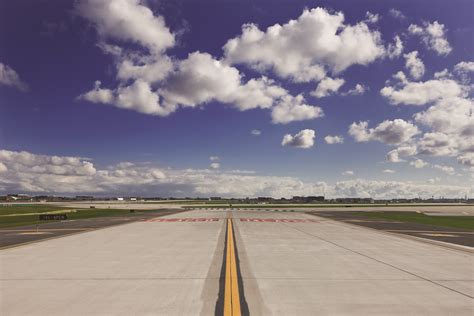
452,229
13,234
290,263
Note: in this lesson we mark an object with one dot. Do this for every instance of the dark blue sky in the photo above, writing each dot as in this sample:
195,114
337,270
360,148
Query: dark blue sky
54,50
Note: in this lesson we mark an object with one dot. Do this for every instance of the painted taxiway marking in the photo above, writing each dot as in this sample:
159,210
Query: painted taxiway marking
280,220
231,292
178,220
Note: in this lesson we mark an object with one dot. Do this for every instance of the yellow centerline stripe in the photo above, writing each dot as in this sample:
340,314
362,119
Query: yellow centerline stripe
231,294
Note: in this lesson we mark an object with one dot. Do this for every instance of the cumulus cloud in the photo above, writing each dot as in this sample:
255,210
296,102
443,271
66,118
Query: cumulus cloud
200,79
449,119
466,159
214,158
138,96
451,124
127,20
256,132
327,86
358,89
414,65
389,132
395,49
421,93
433,36
418,163
464,67
154,83
348,173
334,139
303,139
449,170
371,17
388,171
397,14
290,109
41,174
10,78
390,189
303,49
215,165
396,155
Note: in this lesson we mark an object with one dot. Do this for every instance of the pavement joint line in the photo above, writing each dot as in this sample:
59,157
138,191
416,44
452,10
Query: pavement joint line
231,294
71,234
41,230
428,231
438,243
380,261
216,278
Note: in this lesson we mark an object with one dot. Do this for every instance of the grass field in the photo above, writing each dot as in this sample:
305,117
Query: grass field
463,222
20,215
256,206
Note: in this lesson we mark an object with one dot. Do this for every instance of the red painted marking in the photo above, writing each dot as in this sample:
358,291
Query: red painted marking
182,220
281,220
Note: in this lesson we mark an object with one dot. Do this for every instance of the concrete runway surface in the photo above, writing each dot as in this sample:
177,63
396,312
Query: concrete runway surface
287,264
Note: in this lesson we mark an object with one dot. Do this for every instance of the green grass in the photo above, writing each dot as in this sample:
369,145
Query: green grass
24,209
463,222
20,220
314,205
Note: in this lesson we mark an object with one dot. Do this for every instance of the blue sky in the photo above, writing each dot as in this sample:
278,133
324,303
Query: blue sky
181,81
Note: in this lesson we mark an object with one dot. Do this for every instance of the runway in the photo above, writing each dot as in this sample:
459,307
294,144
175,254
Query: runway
283,264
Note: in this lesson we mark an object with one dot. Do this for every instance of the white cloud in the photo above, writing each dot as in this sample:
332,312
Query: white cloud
10,78
303,139
215,165
389,132
397,14
421,93
442,74
396,189
437,144
434,180
334,139
256,132
451,123
154,83
402,151
214,158
433,36
302,49
327,86
127,20
395,50
418,163
464,67
348,173
138,96
414,65
388,171
371,17
359,89
447,169
290,109
466,159
200,79
31,173
42,164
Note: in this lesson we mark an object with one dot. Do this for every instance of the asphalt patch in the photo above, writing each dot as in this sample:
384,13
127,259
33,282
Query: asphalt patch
13,236
445,234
